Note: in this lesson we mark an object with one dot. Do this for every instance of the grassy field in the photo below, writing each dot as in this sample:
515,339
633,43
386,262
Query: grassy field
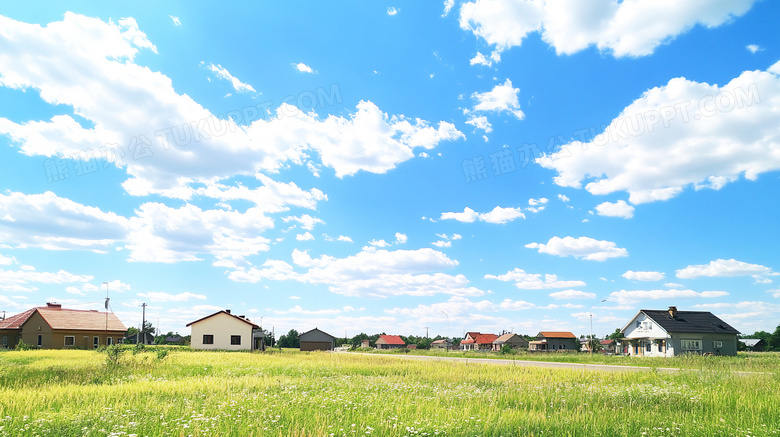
81,393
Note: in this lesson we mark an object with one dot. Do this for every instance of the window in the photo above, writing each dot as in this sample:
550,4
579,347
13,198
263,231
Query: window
691,345
109,341
40,340
661,346
717,344
95,342
5,341
208,339
235,339
648,346
70,340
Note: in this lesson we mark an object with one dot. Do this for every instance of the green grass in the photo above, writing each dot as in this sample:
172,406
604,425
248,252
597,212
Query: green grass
75,393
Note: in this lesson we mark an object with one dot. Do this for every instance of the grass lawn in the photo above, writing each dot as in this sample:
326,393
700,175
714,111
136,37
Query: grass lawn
186,393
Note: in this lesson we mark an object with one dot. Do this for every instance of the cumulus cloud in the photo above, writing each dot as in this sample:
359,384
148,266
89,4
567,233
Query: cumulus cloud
67,61
480,122
344,238
563,198
728,268
24,280
175,20
643,276
502,98
307,222
400,238
497,215
582,247
306,236
370,273
618,209
534,281
303,68
393,11
683,134
633,28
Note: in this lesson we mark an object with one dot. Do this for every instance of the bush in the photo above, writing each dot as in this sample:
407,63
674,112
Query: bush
139,347
162,353
113,353
22,346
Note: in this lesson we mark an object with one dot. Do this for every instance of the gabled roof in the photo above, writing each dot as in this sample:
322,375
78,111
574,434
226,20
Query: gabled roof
688,321
504,338
606,342
226,312
442,341
486,338
750,342
317,330
66,319
556,334
393,339
472,334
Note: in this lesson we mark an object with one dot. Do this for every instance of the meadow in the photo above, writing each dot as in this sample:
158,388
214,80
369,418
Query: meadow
188,393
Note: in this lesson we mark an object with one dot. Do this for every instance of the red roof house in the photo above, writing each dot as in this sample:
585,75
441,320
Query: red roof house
390,342
478,341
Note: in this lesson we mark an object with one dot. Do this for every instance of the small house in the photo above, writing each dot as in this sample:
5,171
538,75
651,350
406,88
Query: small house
222,330
667,333
607,346
444,343
54,327
753,344
548,341
512,340
317,340
137,338
390,342
474,341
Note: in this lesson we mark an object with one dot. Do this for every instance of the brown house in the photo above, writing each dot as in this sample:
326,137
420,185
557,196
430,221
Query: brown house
512,340
390,342
53,327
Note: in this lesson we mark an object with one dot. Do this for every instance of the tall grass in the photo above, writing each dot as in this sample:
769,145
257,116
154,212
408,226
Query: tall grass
64,393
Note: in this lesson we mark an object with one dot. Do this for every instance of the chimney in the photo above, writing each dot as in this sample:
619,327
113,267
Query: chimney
673,311
242,316
53,305
227,311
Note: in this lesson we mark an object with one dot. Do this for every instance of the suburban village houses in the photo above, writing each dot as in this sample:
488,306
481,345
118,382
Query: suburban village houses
222,330
54,327
474,341
512,340
666,333
554,341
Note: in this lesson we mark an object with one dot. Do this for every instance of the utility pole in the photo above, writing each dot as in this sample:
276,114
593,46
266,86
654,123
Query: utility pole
143,324
426,331
447,342
106,305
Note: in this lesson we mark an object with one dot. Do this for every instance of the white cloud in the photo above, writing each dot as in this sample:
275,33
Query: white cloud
448,4
400,238
344,238
176,21
379,243
582,247
442,244
753,48
534,281
298,310
501,98
498,215
303,68
632,28
23,280
67,60
728,268
632,296
563,198
370,273
775,292
572,294
7,261
307,222
167,297
306,236
683,134
643,276
537,202
222,73
393,11
618,209
480,122
480,59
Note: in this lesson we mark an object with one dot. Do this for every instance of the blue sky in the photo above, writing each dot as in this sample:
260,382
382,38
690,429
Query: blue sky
487,165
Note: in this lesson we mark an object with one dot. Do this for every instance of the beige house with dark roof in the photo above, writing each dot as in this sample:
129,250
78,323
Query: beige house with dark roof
222,330
54,327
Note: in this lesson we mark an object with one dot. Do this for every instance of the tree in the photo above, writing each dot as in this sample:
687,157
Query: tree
774,340
617,335
290,340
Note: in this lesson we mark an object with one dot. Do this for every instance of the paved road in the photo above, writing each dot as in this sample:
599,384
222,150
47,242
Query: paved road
574,366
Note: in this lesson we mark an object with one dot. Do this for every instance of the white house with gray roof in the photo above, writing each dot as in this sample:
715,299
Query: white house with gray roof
666,333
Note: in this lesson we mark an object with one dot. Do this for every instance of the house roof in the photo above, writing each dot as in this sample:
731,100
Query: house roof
392,339
689,321
750,342
503,338
59,318
245,320
606,342
442,341
472,334
317,330
556,334
481,339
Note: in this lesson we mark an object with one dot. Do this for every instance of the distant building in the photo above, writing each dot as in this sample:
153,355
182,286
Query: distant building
54,327
608,346
473,341
667,333
513,340
753,344
390,342
222,330
316,340
548,341
147,338
365,343
444,343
